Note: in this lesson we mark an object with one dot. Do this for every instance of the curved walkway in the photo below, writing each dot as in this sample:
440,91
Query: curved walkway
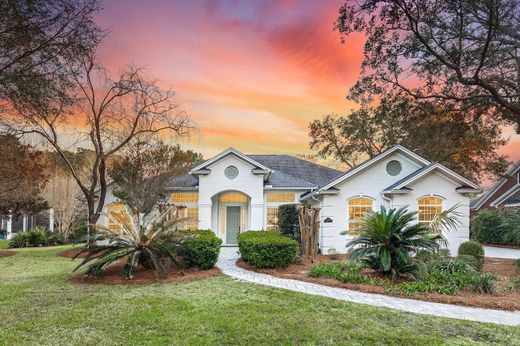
229,256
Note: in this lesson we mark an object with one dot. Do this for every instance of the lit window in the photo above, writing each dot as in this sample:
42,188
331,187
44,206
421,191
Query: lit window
192,214
233,197
272,218
280,197
429,208
113,222
358,207
185,197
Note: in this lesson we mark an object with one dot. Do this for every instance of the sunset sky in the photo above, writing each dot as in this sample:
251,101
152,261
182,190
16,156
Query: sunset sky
251,74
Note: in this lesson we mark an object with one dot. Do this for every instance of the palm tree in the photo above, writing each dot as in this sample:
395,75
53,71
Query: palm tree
148,244
389,239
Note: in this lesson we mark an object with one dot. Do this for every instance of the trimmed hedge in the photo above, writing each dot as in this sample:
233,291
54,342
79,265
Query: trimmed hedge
486,227
473,248
202,250
267,249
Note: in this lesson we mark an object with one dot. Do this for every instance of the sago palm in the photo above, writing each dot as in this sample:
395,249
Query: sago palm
389,239
150,245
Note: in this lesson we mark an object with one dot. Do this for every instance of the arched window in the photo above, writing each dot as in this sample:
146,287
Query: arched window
429,208
358,207
233,197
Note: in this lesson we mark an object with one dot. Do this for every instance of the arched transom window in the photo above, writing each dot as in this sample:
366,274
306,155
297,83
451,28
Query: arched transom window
233,197
429,208
357,209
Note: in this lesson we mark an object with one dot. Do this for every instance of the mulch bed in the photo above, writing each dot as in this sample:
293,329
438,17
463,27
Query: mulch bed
504,268
113,275
7,253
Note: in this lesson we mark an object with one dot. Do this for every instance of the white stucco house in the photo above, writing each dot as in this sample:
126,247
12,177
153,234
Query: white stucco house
233,192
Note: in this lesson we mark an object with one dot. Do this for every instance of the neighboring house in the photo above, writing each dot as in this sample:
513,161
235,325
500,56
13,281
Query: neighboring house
233,192
24,222
504,194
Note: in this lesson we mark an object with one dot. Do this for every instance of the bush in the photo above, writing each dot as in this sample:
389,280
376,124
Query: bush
347,272
471,261
517,263
426,257
485,283
267,249
288,222
473,248
511,227
37,236
202,250
486,227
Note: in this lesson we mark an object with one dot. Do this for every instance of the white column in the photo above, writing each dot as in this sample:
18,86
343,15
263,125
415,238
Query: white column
25,222
51,220
9,227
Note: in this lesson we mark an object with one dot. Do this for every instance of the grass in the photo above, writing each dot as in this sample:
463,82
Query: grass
39,305
4,244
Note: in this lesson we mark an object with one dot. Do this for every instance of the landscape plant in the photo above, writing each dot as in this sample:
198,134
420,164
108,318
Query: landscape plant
151,244
288,221
474,249
202,249
389,239
267,249
36,236
486,227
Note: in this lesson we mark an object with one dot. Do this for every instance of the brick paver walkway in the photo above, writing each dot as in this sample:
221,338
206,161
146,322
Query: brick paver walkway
229,256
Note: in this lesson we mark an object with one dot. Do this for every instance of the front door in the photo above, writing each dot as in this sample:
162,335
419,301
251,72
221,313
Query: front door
232,224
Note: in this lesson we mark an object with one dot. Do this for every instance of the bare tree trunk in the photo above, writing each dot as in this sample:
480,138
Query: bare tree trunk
309,228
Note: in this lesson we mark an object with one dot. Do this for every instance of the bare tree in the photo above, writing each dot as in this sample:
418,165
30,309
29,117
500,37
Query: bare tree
113,112
62,193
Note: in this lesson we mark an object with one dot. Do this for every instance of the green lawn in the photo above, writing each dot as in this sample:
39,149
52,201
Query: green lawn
38,305
4,244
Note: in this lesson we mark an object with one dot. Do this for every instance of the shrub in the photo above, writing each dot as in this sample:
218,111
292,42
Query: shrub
267,249
513,284
288,222
474,249
511,227
388,239
150,245
485,283
426,257
202,250
348,272
37,236
486,227
517,263
471,261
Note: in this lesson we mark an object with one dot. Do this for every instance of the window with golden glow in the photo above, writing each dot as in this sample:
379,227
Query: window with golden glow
272,218
192,214
114,223
280,197
233,197
429,208
358,207
185,197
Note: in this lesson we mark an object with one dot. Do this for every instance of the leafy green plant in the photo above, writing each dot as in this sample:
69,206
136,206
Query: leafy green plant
486,227
150,245
288,222
473,248
37,236
511,227
517,263
202,249
348,272
267,249
425,256
485,283
471,261
388,240
513,284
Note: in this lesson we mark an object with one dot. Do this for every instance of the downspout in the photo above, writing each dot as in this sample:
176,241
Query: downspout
388,199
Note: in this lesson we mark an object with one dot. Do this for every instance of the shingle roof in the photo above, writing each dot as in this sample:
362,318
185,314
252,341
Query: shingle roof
311,172
288,171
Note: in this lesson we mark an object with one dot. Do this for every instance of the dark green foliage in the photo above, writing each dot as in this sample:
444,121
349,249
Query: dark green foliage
485,283
150,245
202,250
471,261
511,226
486,227
288,222
473,248
37,236
389,239
426,257
343,271
517,263
267,249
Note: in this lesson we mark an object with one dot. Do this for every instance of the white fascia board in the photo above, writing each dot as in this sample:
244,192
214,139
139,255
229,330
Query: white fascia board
505,196
228,152
372,161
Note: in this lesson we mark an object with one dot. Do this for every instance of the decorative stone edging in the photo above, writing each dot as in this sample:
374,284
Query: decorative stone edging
229,256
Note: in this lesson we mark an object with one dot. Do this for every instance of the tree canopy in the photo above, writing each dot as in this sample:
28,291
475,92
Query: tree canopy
466,143
465,53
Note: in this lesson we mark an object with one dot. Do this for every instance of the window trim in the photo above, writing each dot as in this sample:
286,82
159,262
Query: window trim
431,195
348,211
